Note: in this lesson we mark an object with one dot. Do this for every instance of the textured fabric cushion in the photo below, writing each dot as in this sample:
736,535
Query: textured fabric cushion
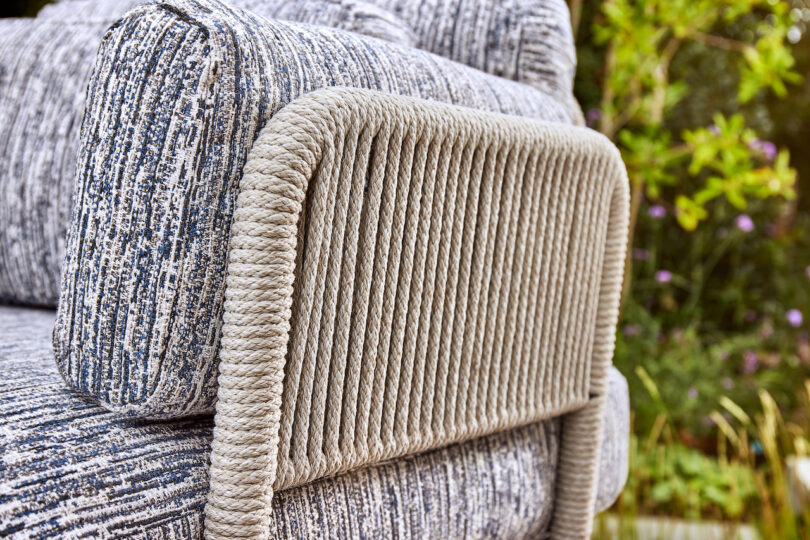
44,67
352,15
69,468
87,11
529,41
43,74
615,452
174,104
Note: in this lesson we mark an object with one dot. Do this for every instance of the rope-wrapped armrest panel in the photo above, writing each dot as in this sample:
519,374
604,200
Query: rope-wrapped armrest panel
403,275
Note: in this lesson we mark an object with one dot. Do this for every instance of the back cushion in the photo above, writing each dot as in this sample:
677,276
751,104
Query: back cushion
176,98
44,67
87,11
529,41
43,74
352,15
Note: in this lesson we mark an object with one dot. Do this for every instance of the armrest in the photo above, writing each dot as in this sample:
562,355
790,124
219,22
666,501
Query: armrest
403,275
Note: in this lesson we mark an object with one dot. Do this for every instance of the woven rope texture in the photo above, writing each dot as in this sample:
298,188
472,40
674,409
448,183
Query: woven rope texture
404,275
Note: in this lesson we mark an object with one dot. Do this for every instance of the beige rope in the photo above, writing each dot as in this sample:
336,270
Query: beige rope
416,274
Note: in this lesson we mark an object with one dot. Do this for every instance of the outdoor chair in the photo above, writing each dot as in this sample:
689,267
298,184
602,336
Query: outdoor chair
319,269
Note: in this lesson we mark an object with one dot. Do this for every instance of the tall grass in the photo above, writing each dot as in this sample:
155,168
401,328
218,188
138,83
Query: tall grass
743,479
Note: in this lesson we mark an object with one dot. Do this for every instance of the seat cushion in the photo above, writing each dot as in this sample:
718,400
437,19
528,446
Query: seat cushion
615,451
166,134
71,468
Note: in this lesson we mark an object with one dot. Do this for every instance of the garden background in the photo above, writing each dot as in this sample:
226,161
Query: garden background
709,102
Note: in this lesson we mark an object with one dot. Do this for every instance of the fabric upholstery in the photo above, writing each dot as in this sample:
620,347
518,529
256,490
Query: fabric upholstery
357,16
529,41
614,456
69,468
43,74
103,12
188,85
44,67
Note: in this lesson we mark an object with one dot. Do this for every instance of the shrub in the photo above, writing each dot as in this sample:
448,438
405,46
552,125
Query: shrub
716,285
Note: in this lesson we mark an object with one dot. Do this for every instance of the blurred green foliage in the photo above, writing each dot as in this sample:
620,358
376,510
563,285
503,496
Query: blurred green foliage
709,102
747,480
641,39
677,480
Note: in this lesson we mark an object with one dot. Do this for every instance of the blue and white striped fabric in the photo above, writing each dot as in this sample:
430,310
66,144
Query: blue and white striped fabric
529,41
614,457
43,74
359,16
45,63
176,98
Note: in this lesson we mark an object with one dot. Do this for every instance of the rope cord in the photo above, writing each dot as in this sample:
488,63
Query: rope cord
406,274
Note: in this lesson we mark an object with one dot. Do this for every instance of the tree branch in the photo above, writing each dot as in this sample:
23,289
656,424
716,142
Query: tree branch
719,42
576,15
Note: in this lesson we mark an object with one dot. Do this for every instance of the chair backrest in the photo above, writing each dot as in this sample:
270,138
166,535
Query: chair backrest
529,41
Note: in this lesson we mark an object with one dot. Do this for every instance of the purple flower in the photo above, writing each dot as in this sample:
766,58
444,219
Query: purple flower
749,362
642,255
631,330
714,129
794,318
767,148
744,223
657,211
593,116
727,383
750,315
663,276
692,392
